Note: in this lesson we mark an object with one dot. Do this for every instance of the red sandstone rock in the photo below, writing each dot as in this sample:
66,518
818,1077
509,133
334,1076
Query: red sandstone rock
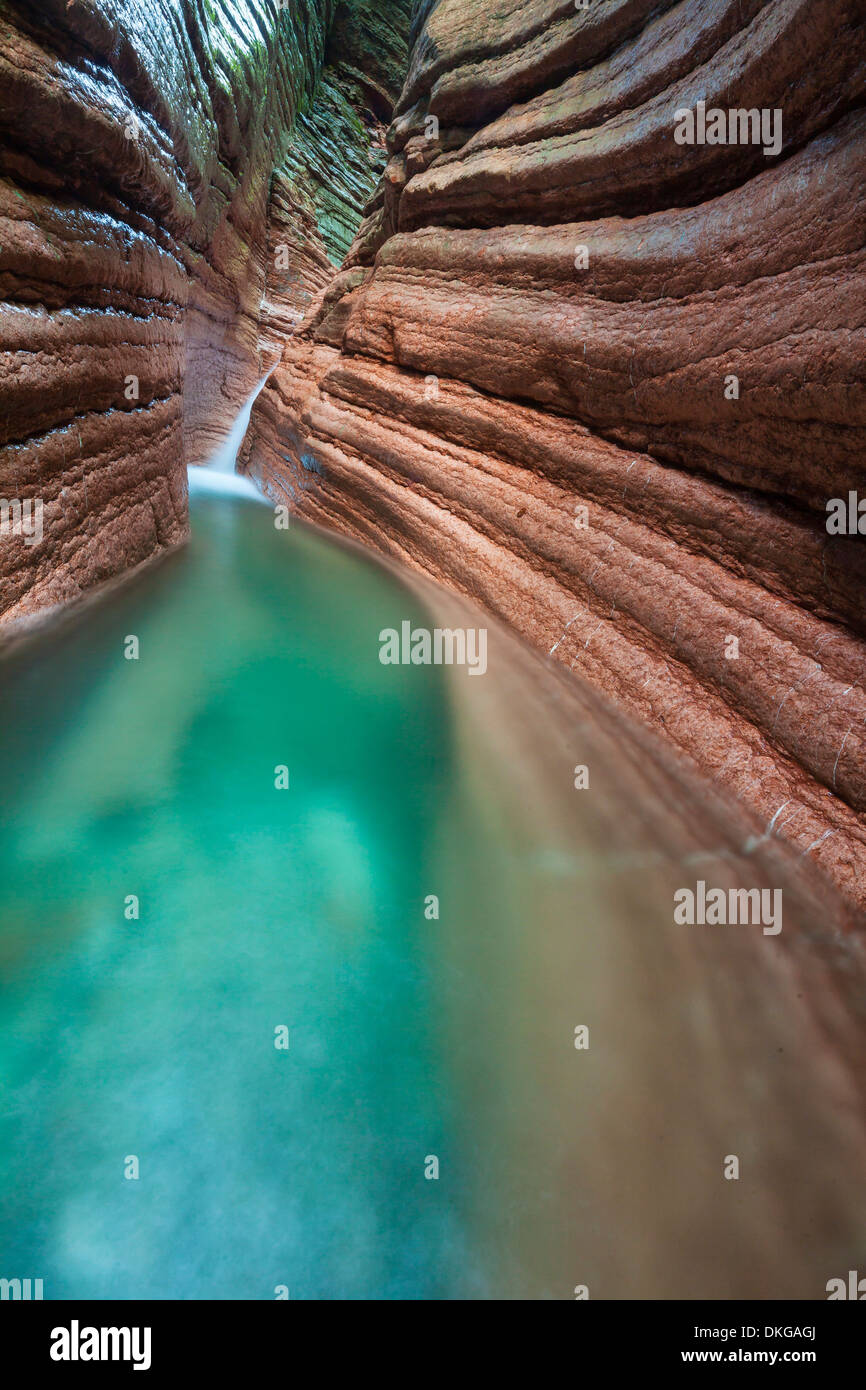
136,147
488,378
149,266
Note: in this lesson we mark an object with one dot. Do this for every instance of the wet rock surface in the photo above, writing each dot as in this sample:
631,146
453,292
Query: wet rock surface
602,381
133,201
605,383
329,180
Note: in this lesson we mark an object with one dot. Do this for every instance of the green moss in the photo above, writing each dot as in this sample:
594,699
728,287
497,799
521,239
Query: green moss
337,154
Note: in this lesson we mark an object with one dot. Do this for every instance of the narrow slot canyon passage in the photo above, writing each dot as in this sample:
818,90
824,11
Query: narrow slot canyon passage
408,1035
432,854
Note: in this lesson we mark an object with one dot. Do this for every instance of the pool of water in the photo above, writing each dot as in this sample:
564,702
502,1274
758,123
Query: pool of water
260,908
168,913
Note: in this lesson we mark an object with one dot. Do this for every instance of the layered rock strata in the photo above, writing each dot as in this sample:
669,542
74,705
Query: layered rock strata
137,143
332,173
606,382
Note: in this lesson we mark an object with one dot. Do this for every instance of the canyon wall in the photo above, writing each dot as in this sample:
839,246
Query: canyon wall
137,142
605,381
332,171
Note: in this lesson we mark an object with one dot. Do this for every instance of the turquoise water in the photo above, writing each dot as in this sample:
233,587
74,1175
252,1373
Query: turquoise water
148,1040
259,908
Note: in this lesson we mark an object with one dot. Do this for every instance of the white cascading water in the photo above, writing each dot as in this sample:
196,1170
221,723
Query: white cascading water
218,475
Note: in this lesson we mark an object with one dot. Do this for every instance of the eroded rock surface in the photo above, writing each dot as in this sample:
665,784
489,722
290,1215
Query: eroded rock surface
331,176
133,199
605,382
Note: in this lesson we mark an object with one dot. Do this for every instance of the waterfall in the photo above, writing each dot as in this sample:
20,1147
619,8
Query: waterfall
225,458
218,474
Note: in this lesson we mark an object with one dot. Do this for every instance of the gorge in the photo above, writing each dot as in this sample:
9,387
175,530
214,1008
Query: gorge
440,281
